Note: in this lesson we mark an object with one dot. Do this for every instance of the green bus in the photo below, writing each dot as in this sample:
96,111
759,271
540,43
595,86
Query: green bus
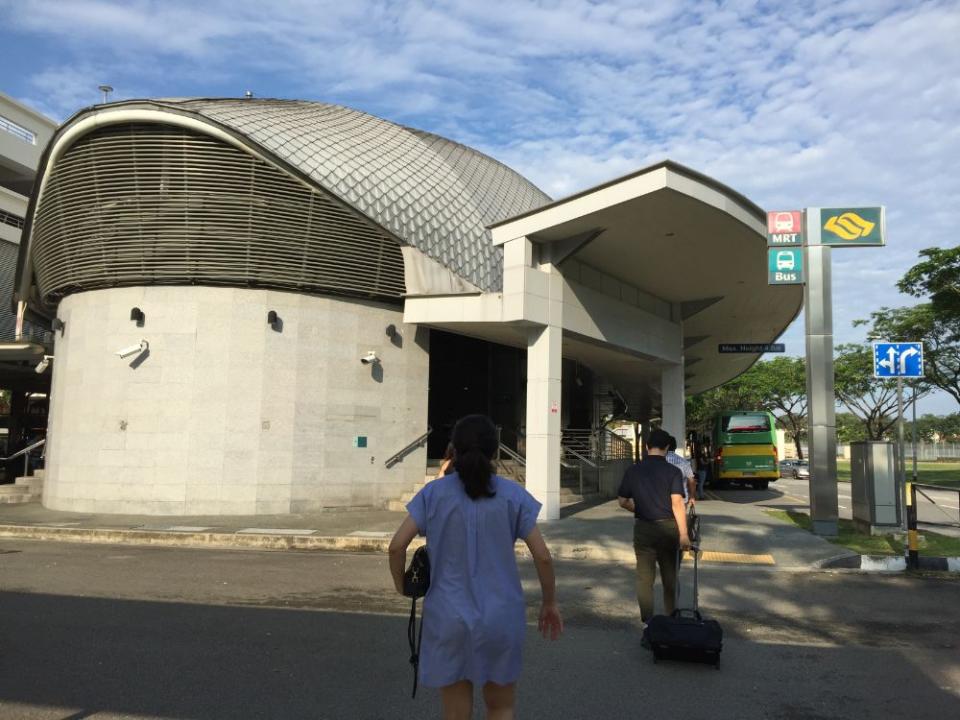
745,448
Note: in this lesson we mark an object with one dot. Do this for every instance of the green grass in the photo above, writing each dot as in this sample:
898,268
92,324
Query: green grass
933,544
933,473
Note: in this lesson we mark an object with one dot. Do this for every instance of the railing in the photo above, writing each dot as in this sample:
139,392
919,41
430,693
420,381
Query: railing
913,545
419,442
614,447
579,466
582,441
926,451
515,457
26,454
18,131
919,489
597,445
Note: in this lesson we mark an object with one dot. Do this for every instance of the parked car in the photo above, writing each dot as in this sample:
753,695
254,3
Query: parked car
787,467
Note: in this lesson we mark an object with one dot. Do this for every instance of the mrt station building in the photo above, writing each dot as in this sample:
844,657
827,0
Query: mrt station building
268,307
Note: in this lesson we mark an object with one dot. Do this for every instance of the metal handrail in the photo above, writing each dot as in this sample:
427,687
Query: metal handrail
26,455
25,450
933,502
513,455
398,456
577,455
625,449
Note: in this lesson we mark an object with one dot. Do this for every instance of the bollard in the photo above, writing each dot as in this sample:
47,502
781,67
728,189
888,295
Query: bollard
913,555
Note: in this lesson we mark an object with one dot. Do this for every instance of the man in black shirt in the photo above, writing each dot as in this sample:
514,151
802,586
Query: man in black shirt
653,491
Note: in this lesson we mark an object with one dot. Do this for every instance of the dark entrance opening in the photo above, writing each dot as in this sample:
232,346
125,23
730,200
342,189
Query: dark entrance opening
474,376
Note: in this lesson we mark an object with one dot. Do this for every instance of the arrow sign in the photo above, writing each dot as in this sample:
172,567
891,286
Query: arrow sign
897,360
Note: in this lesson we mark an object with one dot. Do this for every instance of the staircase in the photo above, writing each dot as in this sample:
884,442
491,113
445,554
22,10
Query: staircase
569,485
401,504
24,490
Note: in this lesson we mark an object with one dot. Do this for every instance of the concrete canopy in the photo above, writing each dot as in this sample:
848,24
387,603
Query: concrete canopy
685,248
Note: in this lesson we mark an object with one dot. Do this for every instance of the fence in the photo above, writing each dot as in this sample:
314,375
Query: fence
926,452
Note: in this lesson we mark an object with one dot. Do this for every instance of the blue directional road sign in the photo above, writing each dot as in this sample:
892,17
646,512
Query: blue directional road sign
898,360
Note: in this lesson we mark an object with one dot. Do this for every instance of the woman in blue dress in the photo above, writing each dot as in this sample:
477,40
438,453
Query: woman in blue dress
474,614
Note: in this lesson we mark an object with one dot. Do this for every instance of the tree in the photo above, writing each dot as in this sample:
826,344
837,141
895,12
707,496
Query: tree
937,277
778,386
850,428
871,400
703,408
937,428
939,334
781,386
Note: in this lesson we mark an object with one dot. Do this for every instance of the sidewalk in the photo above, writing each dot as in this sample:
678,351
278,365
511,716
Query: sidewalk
731,533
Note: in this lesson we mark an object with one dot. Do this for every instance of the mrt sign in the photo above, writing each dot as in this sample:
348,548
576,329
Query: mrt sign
784,227
841,227
898,360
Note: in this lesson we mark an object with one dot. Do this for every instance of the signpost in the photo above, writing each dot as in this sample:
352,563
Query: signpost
799,244
900,360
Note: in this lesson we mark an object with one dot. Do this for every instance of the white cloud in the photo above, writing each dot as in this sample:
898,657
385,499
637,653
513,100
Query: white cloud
817,102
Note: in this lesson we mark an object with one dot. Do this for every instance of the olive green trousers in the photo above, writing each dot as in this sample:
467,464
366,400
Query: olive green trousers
656,543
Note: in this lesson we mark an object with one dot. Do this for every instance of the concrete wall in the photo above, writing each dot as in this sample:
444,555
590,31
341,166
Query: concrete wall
225,415
611,474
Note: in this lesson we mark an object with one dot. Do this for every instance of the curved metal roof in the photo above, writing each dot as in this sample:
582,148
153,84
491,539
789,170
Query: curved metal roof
432,193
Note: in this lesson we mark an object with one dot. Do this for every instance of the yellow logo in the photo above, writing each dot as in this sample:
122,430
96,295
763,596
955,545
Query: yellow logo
849,226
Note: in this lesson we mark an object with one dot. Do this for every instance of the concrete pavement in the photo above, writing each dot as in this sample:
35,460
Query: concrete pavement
99,632
733,532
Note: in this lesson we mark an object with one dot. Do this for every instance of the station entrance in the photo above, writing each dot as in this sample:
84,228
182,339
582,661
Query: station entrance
468,375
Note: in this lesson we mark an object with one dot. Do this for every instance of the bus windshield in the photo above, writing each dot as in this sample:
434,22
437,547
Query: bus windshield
744,423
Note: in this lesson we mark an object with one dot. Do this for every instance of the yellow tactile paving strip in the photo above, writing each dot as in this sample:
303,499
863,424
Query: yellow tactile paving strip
728,557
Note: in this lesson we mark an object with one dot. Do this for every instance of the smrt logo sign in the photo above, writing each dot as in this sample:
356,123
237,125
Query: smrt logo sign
784,227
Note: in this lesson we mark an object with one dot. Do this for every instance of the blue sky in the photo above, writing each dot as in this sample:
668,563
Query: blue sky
807,103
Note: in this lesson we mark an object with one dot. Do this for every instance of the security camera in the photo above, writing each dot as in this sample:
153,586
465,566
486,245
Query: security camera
370,357
43,364
134,349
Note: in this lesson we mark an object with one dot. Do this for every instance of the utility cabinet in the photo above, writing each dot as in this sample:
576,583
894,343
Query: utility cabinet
873,479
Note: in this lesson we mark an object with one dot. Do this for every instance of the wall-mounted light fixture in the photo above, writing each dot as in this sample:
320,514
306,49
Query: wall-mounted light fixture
273,319
43,364
136,314
58,324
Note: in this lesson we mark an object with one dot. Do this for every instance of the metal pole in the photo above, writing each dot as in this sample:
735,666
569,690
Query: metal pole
914,432
821,401
901,451
913,551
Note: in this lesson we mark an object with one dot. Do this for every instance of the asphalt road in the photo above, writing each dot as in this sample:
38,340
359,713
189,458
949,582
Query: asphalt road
933,506
133,632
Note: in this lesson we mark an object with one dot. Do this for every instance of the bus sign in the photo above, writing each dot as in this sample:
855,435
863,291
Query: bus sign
785,266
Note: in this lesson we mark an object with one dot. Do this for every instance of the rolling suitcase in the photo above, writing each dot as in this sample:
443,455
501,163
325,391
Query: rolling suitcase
685,634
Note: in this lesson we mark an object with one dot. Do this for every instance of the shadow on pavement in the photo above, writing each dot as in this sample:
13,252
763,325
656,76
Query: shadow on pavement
78,657
746,495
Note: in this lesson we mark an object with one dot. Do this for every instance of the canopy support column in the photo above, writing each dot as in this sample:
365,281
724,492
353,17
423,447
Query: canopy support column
544,395
673,416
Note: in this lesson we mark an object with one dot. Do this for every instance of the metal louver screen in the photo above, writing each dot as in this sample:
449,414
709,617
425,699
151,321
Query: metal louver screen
145,204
